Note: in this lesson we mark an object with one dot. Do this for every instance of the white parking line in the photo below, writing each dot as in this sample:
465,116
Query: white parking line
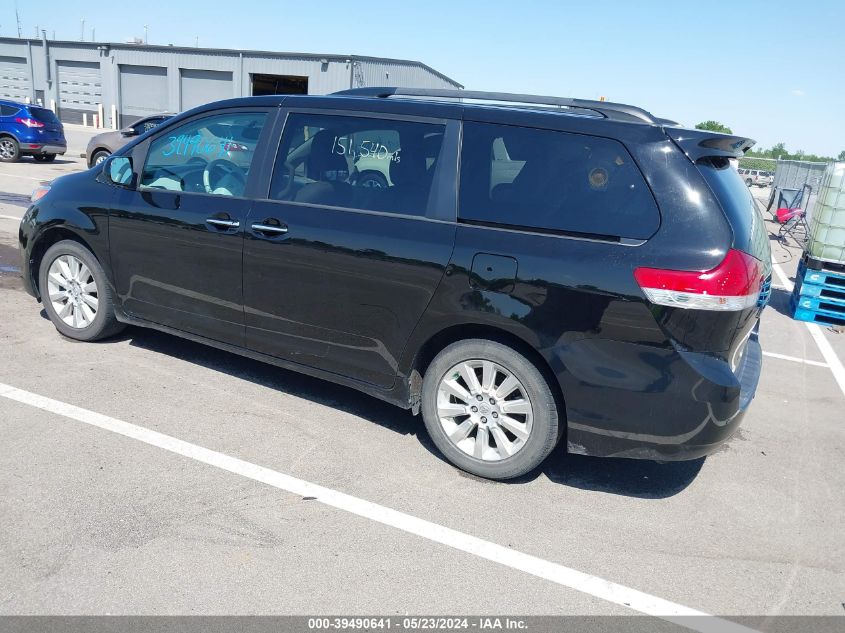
822,343
795,359
9,217
36,178
564,576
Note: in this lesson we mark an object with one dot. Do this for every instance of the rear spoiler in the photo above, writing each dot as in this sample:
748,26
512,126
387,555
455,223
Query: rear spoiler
703,143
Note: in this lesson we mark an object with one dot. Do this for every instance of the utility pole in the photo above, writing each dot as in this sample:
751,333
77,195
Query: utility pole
82,31
93,32
18,20
145,35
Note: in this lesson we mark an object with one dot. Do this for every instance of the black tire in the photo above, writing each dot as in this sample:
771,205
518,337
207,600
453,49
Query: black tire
10,150
546,429
748,182
45,158
99,155
372,179
105,323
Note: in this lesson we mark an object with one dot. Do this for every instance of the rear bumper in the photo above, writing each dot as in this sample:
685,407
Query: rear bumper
636,401
43,148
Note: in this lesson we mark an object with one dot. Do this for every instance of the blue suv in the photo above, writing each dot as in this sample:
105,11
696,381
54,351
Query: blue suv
29,130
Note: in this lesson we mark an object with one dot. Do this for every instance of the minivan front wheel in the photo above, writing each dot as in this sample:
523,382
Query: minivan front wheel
489,409
76,294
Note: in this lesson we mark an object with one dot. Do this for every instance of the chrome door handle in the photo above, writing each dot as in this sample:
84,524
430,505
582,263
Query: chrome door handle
224,224
269,228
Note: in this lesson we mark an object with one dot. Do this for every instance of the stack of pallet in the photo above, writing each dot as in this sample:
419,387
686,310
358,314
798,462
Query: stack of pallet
819,294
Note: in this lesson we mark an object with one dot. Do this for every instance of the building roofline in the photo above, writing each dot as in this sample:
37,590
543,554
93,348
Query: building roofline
246,52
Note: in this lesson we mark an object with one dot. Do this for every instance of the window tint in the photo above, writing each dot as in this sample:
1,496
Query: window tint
357,163
6,110
43,114
543,179
750,233
210,155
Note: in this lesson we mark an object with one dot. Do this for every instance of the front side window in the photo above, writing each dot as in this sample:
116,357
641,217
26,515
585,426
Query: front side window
210,155
554,181
357,163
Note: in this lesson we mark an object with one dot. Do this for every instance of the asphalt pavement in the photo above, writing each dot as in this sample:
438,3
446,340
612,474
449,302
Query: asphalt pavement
100,515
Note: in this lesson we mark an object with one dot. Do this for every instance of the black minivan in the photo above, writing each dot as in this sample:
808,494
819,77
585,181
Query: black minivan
520,269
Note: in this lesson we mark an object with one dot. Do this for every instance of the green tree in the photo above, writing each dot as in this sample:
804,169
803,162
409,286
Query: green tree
778,150
713,126
841,155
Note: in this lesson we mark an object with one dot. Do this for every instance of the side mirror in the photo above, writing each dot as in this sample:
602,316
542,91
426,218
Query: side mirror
118,171
129,131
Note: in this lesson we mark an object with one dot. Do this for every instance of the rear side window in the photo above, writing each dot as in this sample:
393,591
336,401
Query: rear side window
357,163
43,114
553,181
6,110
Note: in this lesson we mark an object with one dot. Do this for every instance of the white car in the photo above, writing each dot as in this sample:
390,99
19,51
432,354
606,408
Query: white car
757,177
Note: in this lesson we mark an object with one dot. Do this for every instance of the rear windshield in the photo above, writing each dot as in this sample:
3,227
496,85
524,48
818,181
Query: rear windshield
749,230
43,114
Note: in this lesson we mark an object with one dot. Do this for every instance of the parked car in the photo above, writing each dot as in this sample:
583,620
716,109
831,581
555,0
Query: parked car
29,130
586,272
756,177
101,146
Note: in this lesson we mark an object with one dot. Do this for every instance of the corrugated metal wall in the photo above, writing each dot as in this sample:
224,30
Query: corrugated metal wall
143,91
14,78
80,89
204,86
24,71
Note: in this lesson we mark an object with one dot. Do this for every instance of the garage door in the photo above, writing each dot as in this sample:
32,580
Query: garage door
143,91
80,89
204,86
14,79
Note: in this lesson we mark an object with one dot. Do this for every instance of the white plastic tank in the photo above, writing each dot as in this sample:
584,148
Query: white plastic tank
827,223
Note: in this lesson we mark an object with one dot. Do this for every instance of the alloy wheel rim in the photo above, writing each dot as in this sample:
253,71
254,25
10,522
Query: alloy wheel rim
72,291
7,149
485,410
100,158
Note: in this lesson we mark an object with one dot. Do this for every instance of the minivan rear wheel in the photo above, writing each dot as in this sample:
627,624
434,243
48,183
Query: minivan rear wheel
489,409
76,293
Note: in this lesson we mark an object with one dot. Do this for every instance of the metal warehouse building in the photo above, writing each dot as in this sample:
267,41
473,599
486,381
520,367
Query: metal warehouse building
131,81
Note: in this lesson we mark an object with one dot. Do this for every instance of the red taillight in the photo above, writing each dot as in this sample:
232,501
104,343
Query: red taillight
29,122
734,284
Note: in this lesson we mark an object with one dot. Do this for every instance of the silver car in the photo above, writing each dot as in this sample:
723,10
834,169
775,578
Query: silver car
103,145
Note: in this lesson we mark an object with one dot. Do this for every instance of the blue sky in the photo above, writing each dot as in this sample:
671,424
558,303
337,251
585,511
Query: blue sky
769,70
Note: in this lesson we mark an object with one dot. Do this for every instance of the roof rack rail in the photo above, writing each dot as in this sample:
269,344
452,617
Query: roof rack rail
610,110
